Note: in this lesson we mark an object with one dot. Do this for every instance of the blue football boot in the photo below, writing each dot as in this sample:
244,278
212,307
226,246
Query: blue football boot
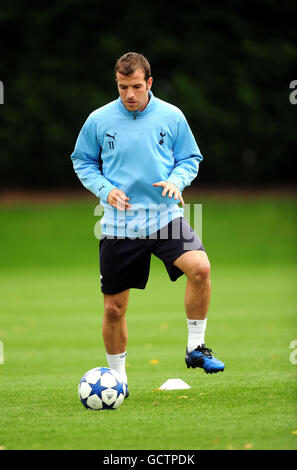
202,357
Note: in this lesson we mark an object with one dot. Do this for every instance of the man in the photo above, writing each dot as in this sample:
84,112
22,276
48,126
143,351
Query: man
137,154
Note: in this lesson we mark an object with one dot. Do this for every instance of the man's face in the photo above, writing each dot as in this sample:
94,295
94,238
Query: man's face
133,90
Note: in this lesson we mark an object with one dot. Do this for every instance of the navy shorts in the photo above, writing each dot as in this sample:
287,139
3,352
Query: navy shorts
125,262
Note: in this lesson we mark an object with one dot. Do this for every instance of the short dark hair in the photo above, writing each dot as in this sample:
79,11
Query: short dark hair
131,61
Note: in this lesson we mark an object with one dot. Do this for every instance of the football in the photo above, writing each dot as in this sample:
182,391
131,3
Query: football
101,388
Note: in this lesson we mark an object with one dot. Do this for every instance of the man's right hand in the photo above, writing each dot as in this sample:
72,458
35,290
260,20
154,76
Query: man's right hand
117,198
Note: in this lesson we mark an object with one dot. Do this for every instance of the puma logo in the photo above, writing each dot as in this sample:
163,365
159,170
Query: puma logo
111,136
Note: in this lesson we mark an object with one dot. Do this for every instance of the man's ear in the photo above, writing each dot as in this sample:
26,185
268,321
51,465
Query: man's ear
149,83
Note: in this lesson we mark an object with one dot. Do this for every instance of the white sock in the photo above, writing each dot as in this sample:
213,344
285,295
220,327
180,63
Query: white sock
196,332
117,362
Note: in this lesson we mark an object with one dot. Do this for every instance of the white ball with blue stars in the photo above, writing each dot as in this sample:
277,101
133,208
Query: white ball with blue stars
101,388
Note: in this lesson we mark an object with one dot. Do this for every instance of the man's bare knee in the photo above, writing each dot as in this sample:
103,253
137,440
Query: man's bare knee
114,310
115,306
200,272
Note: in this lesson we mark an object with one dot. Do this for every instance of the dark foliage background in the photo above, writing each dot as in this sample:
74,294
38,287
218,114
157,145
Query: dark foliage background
227,65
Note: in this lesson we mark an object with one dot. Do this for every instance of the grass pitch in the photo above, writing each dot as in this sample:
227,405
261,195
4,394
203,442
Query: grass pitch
51,313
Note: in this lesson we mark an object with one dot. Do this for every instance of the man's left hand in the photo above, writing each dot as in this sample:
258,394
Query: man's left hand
171,189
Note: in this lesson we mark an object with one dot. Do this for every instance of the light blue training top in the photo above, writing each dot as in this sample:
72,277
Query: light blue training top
131,150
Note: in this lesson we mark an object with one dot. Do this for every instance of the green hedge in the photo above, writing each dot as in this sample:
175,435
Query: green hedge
227,65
